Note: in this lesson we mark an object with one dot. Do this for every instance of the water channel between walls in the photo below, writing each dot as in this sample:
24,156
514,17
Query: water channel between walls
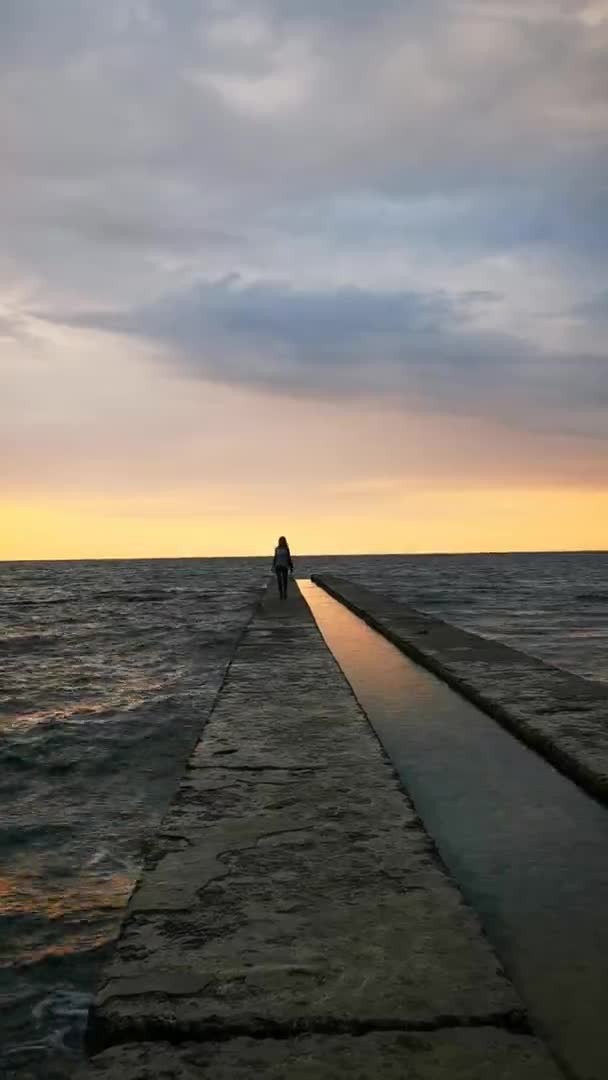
527,847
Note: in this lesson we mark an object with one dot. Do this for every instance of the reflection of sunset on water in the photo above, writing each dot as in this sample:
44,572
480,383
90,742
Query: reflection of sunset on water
87,911
86,939
336,622
25,895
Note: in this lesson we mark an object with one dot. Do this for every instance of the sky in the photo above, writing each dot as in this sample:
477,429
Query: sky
337,270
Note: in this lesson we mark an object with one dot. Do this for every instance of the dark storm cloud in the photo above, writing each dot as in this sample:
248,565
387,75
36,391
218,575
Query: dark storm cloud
420,348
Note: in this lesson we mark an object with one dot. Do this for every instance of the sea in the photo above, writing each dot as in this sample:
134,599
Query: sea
108,671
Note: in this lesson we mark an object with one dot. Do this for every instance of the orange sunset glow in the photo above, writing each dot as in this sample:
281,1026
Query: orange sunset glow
292,298
303,537
452,521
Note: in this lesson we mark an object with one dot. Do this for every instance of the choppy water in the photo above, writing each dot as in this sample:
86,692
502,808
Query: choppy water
107,673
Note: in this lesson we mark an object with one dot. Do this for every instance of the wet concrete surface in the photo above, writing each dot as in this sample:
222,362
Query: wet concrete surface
528,847
293,918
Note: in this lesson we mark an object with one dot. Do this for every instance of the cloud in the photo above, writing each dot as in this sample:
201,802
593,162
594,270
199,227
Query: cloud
9,328
595,308
423,349
291,101
372,199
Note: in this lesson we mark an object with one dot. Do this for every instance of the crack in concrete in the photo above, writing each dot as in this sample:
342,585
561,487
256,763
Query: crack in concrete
259,768
152,913
202,1031
175,836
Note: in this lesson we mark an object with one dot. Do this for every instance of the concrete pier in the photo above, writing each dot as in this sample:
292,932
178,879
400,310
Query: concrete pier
293,918
561,715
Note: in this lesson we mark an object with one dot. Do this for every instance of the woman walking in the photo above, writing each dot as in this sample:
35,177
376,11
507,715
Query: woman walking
282,565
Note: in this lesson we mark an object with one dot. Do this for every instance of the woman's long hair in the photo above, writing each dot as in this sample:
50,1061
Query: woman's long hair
283,542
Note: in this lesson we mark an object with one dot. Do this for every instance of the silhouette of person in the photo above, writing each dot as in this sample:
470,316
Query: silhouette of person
282,564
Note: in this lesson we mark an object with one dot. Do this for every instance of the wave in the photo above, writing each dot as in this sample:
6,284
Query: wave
31,833
68,954
38,603
598,597
87,598
157,595
153,597
20,643
12,759
57,717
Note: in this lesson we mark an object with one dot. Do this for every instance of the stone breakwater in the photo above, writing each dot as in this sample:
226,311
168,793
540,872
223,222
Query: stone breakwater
562,716
293,918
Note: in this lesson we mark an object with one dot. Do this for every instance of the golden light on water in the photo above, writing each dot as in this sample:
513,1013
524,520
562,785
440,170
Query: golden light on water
87,910
26,894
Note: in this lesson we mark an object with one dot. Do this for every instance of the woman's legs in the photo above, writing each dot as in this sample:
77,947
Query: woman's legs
282,581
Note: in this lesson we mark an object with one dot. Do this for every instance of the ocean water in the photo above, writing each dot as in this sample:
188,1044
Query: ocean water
108,671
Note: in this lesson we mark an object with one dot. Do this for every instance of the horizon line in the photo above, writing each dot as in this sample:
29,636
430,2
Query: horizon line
315,555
